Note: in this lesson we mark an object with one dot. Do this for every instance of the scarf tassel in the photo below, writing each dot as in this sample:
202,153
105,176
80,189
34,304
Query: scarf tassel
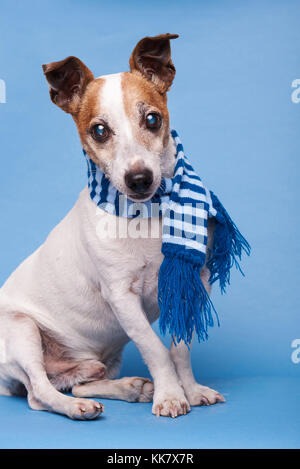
185,306
228,246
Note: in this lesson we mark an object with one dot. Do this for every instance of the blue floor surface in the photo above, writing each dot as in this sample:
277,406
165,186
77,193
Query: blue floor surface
259,413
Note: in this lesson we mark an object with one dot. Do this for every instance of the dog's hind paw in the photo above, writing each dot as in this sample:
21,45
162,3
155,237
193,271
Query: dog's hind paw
84,409
146,391
139,389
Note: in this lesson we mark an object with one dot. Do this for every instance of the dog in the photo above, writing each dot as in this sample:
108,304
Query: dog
69,309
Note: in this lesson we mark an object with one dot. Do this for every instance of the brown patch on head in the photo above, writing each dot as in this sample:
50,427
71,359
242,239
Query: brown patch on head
140,97
74,89
89,106
152,74
88,110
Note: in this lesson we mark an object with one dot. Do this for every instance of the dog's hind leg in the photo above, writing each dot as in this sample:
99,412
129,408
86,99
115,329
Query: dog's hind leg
66,374
63,370
131,389
25,362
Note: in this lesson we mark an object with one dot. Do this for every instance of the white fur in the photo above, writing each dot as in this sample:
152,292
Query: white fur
93,294
111,101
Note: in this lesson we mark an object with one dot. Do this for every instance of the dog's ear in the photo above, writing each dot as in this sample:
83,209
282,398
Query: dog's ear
68,80
152,58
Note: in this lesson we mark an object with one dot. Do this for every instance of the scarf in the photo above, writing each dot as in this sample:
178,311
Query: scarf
185,205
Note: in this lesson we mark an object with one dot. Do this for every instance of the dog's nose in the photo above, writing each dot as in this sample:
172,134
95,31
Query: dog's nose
140,181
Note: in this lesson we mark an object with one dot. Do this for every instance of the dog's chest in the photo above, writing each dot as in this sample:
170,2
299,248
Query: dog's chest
143,257
129,252
127,255
145,282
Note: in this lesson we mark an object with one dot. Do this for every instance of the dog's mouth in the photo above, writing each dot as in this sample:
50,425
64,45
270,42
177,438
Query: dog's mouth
140,197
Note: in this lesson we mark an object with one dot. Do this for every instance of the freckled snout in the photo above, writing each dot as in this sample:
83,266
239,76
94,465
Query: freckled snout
139,182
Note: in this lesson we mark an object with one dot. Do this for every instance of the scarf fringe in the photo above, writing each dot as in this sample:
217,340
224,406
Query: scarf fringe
184,303
228,246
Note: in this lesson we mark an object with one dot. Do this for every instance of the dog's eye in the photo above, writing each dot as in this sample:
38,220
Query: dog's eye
100,132
153,121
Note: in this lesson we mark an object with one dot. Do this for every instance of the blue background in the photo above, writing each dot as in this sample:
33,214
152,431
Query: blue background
231,104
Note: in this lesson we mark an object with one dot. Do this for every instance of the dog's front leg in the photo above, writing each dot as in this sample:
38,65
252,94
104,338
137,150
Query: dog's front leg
195,392
169,398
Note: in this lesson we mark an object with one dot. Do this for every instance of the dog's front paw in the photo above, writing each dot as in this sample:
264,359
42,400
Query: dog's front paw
170,406
202,395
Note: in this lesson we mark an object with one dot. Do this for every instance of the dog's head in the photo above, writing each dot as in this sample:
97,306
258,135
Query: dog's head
122,119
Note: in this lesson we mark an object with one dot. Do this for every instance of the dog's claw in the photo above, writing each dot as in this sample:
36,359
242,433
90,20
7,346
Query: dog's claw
220,398
158,410
171,408
184,407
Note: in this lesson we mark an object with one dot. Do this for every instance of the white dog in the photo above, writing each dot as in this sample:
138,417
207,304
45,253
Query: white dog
68,310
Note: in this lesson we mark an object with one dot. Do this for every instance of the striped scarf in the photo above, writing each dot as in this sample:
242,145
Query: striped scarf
185,206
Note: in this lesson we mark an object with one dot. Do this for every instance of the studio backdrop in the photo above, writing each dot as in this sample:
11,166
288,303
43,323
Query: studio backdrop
235,102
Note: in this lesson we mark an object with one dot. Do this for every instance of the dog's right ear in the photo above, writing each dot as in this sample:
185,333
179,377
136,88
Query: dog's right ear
68,80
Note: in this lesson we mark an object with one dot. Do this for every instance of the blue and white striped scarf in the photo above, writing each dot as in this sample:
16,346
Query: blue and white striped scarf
185,206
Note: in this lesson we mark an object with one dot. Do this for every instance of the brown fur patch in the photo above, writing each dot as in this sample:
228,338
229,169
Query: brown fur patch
137,90
89,109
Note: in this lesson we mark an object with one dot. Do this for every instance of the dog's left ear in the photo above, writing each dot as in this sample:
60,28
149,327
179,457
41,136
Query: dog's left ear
68,80
152,58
